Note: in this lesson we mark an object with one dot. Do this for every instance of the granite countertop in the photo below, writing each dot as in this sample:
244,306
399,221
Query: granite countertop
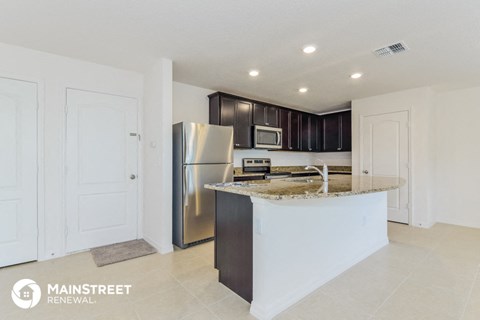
309,187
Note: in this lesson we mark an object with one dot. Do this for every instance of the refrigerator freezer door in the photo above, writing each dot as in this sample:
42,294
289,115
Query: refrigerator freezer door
198,202
204,143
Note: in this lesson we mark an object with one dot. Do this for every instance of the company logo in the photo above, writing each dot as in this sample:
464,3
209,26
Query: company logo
26,293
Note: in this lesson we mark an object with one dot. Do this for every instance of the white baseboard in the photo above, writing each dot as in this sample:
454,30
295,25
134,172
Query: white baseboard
162,249
455,222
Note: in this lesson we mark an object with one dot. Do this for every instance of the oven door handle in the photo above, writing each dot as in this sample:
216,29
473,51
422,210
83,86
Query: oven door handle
279,140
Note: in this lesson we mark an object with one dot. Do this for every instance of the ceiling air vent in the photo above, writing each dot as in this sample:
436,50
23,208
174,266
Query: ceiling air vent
391,49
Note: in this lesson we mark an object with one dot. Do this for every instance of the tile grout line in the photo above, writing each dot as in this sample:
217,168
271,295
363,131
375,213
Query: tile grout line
198,300
404,280
390,295
211,311
197,255
469,296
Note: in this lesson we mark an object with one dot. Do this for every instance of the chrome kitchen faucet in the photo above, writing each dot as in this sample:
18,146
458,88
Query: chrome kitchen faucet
324,174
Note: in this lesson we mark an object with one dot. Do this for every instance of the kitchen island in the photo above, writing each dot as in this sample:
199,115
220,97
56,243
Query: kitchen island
277,241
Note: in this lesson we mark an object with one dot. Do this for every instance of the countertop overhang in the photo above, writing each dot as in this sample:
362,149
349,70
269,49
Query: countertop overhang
309,187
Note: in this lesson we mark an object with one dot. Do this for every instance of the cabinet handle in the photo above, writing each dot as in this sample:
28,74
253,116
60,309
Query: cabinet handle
309,149
339,149
365,171
266,123
290,148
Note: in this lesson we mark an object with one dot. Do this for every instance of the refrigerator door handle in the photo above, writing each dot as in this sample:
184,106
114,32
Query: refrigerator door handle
185,187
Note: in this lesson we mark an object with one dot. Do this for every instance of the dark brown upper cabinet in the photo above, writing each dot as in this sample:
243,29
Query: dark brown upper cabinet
265,115
310,133
229,111
301,131
337,132
290,124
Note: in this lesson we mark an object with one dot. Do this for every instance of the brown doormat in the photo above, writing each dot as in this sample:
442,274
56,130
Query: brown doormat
121,251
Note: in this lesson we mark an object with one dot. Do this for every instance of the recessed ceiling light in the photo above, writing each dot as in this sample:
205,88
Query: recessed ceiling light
309,49
253,73
356,75
303,90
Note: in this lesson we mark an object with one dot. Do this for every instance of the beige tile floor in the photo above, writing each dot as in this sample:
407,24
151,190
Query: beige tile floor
421,274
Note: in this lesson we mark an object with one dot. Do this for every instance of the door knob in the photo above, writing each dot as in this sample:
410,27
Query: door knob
132,177
365,171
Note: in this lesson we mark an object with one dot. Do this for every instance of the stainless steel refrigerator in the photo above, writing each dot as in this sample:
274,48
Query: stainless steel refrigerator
202,153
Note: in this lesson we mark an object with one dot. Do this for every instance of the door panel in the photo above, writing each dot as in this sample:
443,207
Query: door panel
106,142
101,157
9,216
384,152
199,203
18,171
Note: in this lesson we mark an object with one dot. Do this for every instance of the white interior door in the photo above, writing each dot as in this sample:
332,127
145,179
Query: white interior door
18,171
101,169
384,151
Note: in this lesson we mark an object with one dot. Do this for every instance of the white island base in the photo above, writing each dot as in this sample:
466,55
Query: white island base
299,245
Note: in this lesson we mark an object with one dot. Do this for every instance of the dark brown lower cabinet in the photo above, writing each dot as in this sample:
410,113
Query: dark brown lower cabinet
234,242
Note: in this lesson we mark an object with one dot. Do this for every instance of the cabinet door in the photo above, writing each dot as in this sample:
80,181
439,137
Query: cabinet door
317,133
264,115
258,114
227,111
346,131
294,131
271,116
290,124
285,125
310,133
331,133
305,132
243,124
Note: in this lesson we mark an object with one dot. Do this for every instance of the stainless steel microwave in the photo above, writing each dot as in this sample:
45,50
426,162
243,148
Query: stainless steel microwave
267,137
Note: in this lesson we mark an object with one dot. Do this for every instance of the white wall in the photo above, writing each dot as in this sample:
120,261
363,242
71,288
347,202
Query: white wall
190,104
55,74
157,200
419,102
457,157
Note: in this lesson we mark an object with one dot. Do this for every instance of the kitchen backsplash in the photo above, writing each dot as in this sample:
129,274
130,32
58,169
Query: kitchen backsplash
282,158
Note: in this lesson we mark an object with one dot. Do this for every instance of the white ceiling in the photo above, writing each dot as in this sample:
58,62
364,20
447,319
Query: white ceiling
214,43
